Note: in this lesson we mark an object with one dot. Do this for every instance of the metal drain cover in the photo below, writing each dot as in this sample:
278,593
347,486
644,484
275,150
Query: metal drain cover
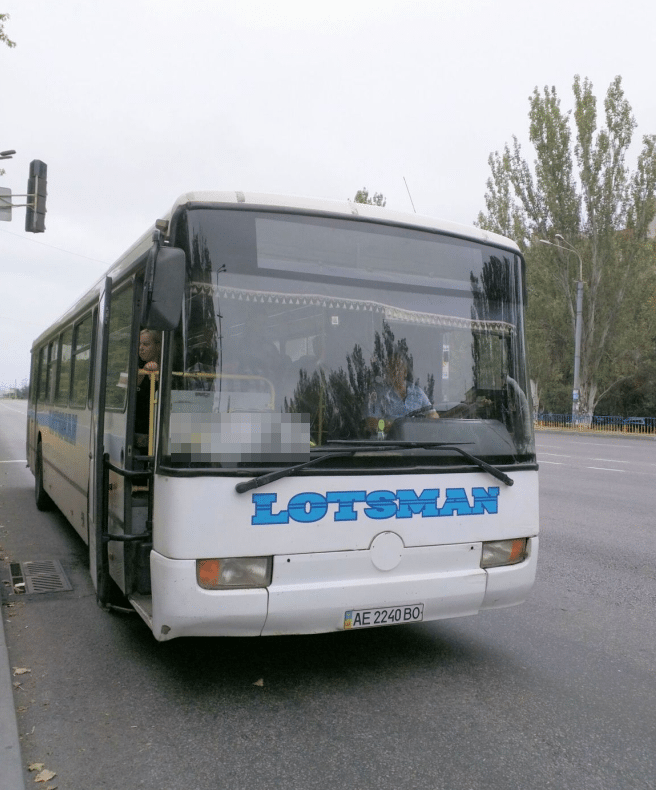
39,576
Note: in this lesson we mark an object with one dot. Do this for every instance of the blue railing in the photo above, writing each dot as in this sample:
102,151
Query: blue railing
608,423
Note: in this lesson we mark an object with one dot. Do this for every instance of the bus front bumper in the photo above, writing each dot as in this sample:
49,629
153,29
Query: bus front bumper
311,593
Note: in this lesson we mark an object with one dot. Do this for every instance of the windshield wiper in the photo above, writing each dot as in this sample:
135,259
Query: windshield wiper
479,462
356,446
288,471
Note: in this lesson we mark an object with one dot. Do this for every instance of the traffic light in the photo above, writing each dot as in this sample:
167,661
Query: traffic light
37,182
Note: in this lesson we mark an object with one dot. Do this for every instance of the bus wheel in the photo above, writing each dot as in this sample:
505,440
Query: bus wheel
43,501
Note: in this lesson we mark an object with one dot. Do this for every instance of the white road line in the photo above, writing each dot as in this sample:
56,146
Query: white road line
614,444
17,461
634,473
599,444
612,461
13,408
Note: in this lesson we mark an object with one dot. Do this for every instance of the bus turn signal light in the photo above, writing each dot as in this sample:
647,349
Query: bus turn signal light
504,552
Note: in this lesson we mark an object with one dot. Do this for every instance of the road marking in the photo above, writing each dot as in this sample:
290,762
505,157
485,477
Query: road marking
560,455
12,408
611,461
599,444
634,473
614,444
18,461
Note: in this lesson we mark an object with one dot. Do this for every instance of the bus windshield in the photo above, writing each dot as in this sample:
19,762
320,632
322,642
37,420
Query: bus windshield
302,332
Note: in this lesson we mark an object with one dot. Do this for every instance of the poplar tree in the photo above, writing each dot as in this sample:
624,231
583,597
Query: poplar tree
362,196
580,187
5,40
3,35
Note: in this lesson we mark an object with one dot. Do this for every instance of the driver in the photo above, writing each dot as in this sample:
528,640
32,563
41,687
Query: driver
396,395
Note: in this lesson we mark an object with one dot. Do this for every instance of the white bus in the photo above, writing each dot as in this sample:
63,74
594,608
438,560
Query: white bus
339,433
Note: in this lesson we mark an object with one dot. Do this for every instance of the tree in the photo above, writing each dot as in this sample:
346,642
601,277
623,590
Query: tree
362,196
9,43
584,191
3,35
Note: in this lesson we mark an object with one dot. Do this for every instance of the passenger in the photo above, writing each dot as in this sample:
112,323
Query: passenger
396,395
314,360
150,349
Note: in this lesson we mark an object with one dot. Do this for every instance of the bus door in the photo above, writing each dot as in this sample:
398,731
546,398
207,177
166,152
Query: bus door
117,535
36,397
98,566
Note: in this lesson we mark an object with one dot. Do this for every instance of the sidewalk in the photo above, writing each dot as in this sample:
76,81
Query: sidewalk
11,763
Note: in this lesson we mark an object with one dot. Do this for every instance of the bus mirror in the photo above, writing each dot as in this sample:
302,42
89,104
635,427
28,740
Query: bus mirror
164,289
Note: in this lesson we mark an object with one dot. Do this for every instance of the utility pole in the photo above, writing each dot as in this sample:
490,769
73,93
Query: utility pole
578,326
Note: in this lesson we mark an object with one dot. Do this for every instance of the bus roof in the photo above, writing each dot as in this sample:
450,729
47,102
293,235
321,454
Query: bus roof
252,200
347,208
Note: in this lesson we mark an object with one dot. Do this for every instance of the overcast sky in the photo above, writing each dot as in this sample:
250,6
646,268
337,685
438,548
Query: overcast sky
131,103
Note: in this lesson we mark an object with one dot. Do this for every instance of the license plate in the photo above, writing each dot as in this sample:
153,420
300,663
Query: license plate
386,615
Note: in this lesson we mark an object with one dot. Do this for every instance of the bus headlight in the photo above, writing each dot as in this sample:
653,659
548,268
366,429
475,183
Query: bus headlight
504,552
234,572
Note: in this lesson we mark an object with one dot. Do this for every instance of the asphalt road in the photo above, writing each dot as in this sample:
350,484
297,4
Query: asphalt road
557,693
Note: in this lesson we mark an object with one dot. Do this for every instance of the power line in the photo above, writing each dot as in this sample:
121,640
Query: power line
52,246
13,320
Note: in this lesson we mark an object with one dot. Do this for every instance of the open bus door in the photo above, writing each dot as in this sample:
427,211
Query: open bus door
120,494
121,474
98,564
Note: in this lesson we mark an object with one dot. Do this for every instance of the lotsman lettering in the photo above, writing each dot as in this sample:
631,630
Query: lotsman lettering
307,507
456,502
382,505
310,506
485,500
410,504
346,500
264,510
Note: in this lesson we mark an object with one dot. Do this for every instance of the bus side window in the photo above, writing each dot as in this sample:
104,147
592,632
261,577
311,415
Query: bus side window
53,349
118,354
64,381
81,361
41,388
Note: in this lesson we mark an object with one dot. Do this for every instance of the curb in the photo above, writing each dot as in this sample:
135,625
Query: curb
11,762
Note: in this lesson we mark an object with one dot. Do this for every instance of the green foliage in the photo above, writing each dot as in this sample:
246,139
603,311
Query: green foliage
3,35
580,187
9,43
362,196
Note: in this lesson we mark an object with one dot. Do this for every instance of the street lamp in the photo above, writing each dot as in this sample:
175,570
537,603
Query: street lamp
565,245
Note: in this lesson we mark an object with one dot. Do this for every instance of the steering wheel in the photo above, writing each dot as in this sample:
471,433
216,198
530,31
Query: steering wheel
417,412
